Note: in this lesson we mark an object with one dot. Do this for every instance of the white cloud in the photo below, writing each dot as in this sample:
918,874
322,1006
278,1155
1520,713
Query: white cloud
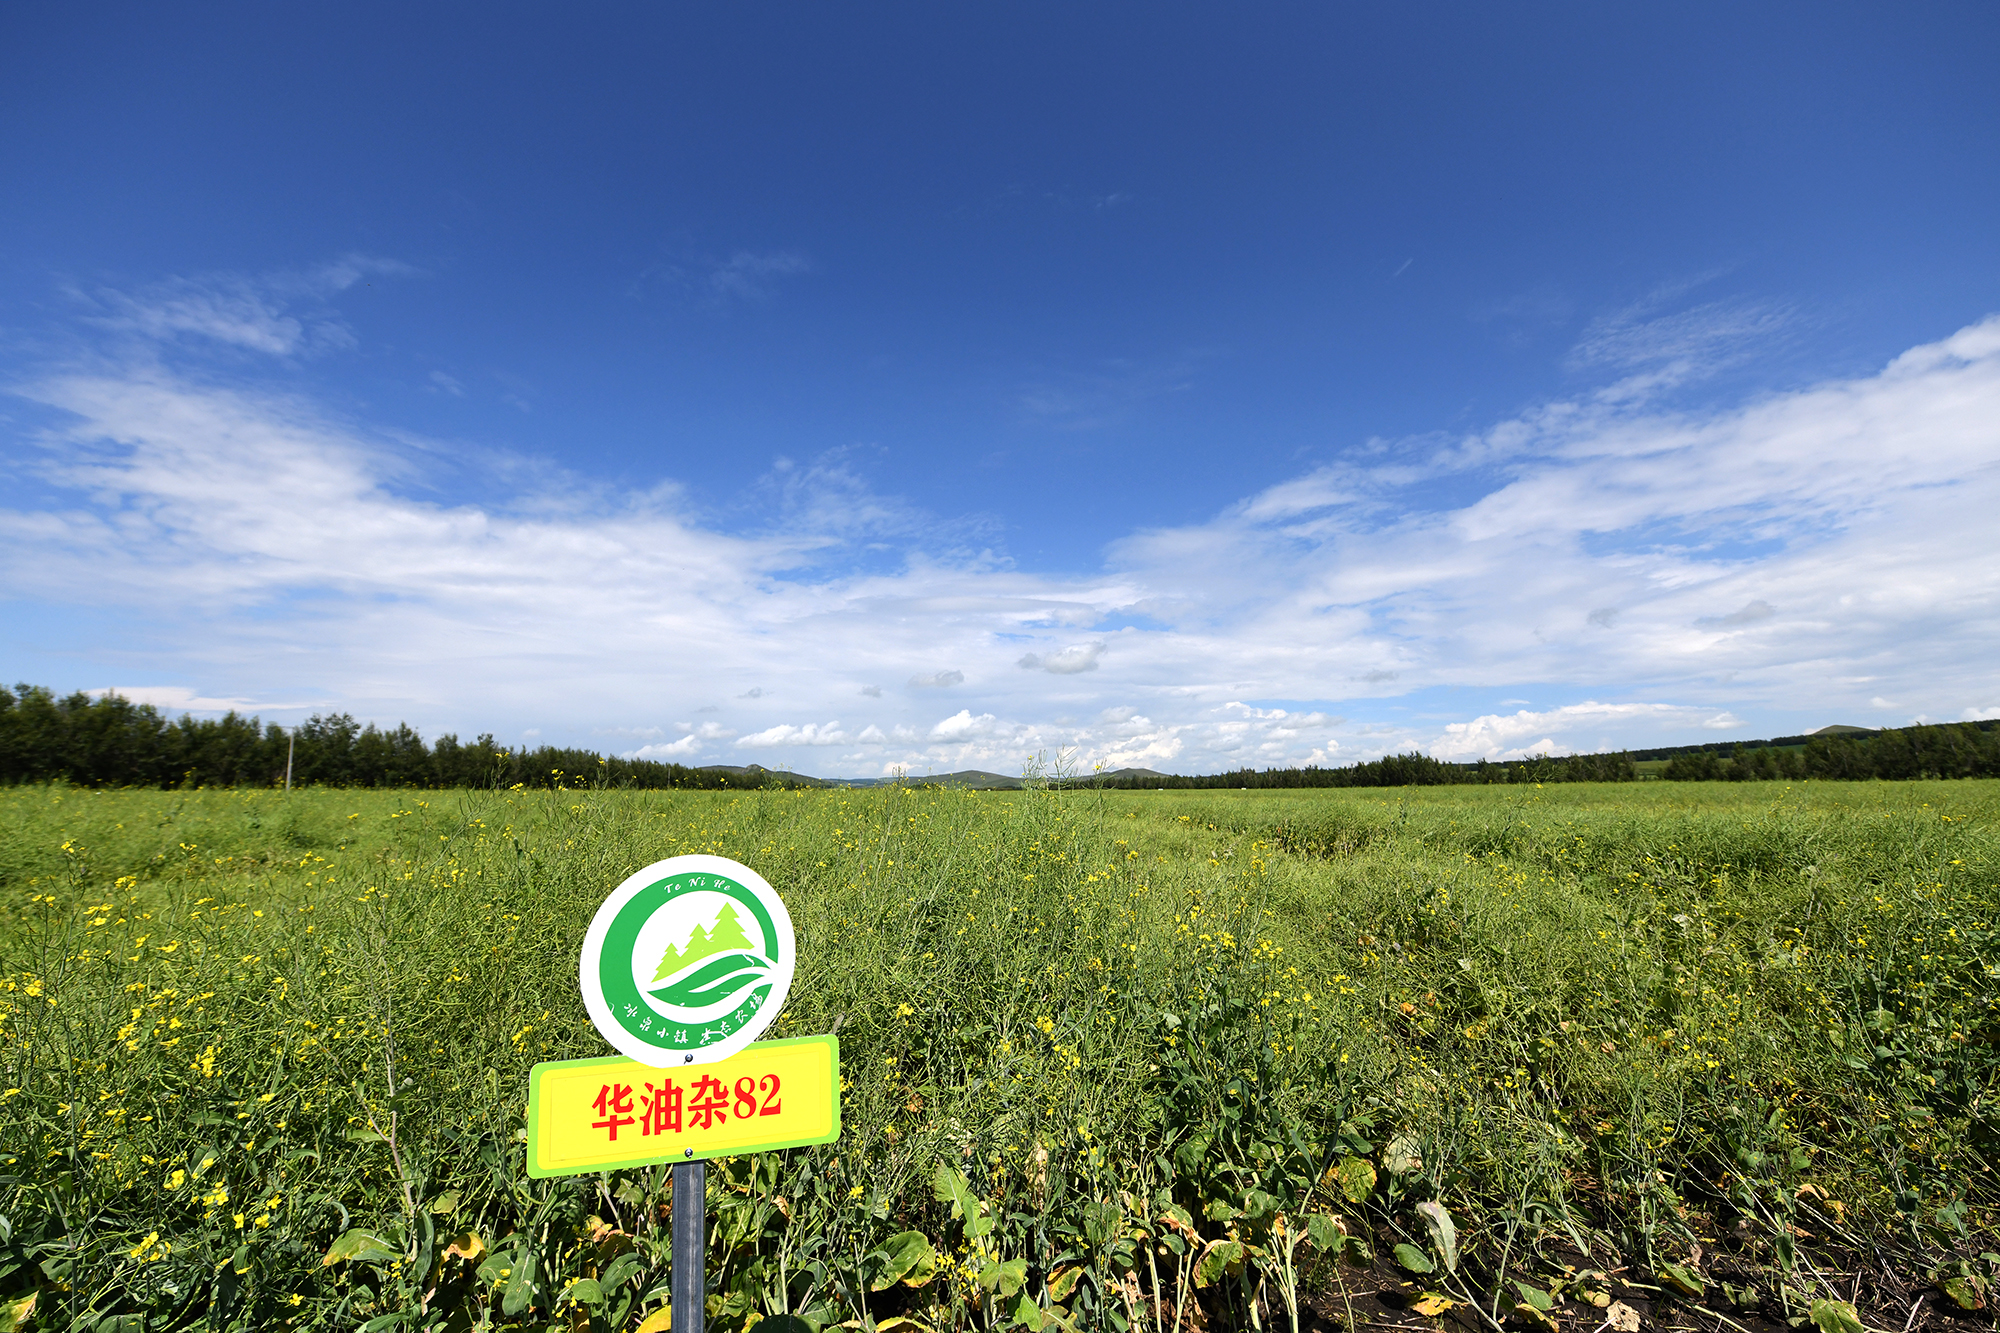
1805,553
1494,735
181,699
670,752
962,725
812,733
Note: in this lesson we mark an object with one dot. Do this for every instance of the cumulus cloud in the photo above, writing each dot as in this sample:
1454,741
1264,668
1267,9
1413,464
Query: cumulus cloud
812,733
962,725
937,680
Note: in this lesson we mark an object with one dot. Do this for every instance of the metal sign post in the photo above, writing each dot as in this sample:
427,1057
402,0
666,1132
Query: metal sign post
688,1272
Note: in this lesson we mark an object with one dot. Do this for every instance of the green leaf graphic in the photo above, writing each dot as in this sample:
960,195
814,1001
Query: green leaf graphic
715,980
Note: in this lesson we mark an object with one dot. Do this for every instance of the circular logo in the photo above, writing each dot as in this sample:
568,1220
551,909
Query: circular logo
688,961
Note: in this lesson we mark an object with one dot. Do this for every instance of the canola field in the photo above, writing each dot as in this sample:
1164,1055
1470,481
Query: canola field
1710,1055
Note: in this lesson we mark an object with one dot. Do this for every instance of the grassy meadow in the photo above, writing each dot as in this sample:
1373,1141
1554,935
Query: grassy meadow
1723,1054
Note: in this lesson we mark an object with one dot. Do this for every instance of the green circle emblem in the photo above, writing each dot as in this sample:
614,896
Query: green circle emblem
688,961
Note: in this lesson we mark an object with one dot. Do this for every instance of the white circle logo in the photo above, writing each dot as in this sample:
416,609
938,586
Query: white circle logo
688,961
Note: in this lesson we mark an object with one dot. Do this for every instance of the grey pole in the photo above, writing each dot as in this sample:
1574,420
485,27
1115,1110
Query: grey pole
690,1231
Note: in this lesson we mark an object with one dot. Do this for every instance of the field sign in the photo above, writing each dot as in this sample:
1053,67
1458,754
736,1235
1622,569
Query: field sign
687,961
611,1112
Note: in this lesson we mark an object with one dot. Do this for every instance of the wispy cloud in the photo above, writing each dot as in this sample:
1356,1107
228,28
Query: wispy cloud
279,314
1673,570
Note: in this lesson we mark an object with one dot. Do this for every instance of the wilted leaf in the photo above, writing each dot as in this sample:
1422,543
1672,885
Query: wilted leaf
659,1321
14,1315
362,1245
1414,1259
1443,1234
1221,1256
1003,1279
1326,1232
1063,1281
467,1245
1433,1304
1686,1281
1835,1317
1356,1178
1401,1157
1622,1318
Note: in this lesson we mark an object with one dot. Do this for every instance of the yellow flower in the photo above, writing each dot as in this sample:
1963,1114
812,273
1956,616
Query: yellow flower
239,1221
176,1180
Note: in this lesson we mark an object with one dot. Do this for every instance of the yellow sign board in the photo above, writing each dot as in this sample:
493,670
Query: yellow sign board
602,1114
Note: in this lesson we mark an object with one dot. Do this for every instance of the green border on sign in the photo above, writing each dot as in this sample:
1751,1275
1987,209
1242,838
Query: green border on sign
736,1150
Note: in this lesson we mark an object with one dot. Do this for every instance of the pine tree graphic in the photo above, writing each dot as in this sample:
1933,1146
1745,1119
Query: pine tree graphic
725,936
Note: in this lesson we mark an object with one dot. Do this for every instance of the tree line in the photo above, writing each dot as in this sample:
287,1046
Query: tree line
1944,750
1395,770
107,740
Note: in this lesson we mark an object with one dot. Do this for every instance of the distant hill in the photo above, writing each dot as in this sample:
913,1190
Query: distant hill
1842,729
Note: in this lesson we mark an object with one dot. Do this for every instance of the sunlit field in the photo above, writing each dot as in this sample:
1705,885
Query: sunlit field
1721,1053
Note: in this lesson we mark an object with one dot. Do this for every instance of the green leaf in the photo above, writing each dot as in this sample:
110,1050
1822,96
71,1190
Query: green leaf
897,1256
1414,1259
1356,1178
1835,1317
1535,1296
584,1291
1100,1221
1221,1256
520,1287
1684,1280
1401,1157
622,1268
359,1245
1012,1277
1443,1234
444,1205
1220,1211
785,1323
1325,1232
1963,1293
239,1262
14,1315
1028,1314
951,1186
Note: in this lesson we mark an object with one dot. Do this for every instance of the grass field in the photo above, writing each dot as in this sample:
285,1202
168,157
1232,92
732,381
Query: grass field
1722,1052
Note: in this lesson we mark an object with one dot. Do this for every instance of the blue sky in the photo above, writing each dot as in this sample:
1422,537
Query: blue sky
935,387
